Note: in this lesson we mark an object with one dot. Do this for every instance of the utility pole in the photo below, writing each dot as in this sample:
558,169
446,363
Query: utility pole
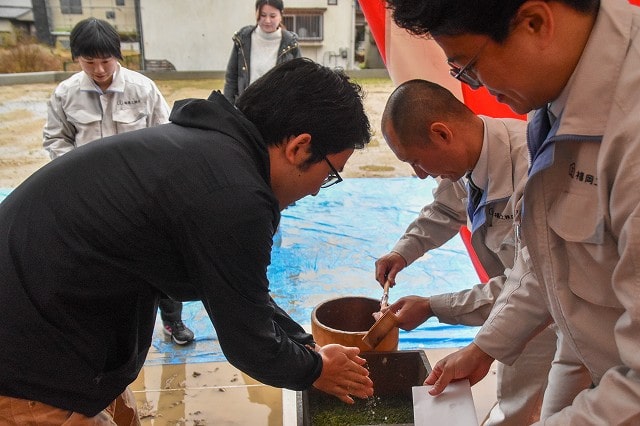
41,21
136,5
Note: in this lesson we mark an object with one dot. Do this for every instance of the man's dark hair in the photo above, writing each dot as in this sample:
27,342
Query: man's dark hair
301,96
493,18
94,38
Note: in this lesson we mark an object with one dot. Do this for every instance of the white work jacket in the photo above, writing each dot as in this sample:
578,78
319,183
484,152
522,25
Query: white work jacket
79,112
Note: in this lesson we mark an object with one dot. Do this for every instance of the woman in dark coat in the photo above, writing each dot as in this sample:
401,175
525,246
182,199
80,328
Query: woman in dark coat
258,48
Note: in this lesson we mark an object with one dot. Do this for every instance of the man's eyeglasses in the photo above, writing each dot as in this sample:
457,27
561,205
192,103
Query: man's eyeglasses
333,177
466,73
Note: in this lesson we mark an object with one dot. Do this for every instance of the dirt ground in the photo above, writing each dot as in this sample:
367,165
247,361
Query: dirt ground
23,112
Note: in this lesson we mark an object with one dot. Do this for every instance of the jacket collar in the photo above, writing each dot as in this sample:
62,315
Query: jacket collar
217,114
500,179
117,85
590,95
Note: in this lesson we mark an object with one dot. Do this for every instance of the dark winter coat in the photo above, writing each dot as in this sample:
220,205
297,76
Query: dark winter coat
237,75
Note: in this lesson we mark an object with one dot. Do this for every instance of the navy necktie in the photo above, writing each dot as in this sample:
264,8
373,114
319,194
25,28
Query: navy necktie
475,195
537,131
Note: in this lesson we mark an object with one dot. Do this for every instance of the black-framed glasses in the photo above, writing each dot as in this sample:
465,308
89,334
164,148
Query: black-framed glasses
333,177
466,74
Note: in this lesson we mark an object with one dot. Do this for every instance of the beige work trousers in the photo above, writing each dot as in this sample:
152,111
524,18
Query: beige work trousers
521,386
23,412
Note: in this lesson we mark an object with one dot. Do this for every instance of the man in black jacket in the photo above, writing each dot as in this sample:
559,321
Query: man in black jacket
90,242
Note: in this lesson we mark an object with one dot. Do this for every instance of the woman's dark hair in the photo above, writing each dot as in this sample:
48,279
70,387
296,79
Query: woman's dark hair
301,96
278,4
94,38
493,18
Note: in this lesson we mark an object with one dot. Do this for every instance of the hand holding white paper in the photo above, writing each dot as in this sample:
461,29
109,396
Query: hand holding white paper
453,407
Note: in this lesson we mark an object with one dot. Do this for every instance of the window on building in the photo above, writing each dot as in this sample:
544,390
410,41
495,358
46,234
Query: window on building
119,2
307,23
110,14
71,7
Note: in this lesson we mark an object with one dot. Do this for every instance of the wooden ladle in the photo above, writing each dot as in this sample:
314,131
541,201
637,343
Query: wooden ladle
383,325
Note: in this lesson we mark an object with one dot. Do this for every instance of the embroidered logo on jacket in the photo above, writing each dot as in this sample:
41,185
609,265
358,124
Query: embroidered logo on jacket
500,215
582,176
129,102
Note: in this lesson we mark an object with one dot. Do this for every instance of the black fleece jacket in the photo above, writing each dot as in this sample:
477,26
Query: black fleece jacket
89,243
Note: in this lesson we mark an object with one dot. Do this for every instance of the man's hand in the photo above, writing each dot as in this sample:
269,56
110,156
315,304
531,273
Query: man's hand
388,266
343,374
469,362
411,311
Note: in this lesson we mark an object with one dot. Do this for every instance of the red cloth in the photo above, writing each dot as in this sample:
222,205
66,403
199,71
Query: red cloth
375,14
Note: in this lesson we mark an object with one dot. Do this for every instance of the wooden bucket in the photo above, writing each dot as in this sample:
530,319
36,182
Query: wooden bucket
345,320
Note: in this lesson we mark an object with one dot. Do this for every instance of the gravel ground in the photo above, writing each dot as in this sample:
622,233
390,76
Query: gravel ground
23,111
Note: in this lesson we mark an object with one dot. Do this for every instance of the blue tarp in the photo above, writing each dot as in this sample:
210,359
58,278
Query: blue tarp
326,247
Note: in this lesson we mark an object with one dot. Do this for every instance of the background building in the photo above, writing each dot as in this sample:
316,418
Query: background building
329,30
16,21
195,35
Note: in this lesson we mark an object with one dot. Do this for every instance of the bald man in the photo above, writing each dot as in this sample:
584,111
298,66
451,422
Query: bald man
482,164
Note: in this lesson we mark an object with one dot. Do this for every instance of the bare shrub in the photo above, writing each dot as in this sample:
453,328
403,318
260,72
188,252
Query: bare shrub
29,57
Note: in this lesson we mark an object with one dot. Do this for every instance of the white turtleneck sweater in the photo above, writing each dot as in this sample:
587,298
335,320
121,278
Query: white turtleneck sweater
264,52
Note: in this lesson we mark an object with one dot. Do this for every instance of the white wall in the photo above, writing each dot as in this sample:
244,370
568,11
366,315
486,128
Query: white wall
5,26
338,32
191,34
195,35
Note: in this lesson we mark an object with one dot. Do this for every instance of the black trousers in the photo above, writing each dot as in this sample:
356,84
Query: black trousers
170,310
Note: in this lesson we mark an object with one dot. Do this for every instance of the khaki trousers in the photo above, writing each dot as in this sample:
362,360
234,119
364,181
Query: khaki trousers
521,386
15,411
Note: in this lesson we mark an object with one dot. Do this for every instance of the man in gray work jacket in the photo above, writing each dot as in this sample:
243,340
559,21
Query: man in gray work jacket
428,127
578,63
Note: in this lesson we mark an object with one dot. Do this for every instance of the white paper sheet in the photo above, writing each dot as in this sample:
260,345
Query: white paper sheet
453,407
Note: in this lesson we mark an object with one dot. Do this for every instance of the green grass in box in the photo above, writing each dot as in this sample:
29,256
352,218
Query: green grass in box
394,373
373,411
